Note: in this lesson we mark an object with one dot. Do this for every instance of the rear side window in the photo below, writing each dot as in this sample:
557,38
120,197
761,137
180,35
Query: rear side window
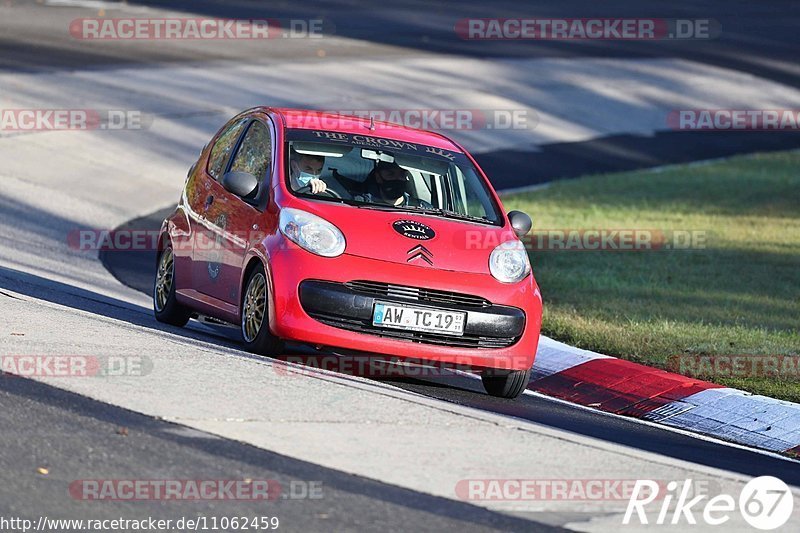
255,152
222,149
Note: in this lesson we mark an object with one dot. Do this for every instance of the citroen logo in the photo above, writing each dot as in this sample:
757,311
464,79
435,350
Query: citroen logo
420,252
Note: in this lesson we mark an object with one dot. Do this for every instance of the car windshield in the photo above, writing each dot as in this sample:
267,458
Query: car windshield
374,172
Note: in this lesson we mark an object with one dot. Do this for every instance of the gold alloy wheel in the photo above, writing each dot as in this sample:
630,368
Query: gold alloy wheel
164,278
255,303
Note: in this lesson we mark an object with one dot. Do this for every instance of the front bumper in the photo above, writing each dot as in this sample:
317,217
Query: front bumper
331,314
349,306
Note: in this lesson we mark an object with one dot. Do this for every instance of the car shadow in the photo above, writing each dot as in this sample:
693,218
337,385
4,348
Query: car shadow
59,293
294,357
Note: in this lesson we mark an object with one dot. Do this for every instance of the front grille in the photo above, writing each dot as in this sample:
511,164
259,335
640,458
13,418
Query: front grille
362,326
416,293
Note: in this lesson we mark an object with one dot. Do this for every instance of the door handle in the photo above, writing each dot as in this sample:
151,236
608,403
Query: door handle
209,201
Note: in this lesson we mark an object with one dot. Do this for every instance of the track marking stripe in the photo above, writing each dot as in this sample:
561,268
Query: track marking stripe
618,386
630,389
553,357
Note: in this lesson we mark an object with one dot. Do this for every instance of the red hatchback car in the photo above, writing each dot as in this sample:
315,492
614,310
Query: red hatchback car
347,234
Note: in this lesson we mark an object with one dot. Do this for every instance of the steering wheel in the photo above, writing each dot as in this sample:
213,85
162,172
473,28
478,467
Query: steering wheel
330,192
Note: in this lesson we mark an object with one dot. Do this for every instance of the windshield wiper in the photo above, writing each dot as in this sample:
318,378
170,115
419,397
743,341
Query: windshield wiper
428,210
406,208
383,207
452,214
334,199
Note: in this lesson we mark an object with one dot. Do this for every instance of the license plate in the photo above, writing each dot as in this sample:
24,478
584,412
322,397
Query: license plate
418,319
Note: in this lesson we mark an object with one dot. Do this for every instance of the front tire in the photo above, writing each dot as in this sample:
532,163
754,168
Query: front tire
255,316
505,383
165,306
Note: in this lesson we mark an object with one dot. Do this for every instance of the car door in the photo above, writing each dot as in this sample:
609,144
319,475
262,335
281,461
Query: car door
202,192
232,221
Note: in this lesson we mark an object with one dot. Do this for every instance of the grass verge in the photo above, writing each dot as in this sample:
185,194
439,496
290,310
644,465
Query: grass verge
734,292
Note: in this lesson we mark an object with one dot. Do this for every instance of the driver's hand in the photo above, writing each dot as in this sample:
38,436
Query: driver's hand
317,186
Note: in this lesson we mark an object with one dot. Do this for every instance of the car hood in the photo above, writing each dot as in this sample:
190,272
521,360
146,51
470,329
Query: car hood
426,241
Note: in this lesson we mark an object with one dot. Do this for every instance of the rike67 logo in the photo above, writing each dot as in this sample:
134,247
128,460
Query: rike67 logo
765,503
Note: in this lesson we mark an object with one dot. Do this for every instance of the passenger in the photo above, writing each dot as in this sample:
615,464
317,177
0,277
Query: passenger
388,183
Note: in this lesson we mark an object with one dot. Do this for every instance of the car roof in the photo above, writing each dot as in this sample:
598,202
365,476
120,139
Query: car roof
310,119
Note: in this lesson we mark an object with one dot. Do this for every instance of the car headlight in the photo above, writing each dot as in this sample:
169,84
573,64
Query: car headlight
509,262
311,232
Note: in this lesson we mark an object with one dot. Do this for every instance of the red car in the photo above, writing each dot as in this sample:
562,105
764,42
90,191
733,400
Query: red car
344,233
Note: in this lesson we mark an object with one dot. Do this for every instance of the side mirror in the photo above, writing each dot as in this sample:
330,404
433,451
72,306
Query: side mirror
241,184
520,222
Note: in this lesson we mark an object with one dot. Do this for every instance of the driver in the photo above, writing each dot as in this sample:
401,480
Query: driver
304,171
388,183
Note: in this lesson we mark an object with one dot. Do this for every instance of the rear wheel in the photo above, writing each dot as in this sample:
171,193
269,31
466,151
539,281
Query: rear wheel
165,306
505,383
255,316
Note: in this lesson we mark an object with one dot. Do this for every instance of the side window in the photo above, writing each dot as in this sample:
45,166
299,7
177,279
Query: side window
255,152
222,149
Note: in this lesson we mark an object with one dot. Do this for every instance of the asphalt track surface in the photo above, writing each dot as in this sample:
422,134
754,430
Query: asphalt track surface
758,38
124,441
